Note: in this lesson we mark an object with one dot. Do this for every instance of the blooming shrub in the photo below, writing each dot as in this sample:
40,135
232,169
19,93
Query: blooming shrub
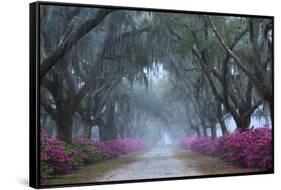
203,145
251,148
92,151
57,157
123,146
54,156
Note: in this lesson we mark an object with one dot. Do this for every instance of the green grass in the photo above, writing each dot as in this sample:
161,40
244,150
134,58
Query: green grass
92,173
208,165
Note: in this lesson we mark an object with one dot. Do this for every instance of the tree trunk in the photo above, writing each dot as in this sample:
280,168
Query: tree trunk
100,123
223,127
271,111
243,123
121,130
213,131
205,134
64,128
87,131
197,132
102,133
108,131
75,127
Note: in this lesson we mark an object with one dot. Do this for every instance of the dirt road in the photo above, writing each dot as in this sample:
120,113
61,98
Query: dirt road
155,163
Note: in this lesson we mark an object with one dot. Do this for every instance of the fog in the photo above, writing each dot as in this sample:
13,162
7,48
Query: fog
158,112
156,76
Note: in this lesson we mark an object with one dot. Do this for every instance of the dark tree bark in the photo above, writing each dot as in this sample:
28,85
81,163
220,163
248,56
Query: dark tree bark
243,123
258,75
66,106
220,117
64,127
271,111
121,126
204,128
223,127
87,131
213,130
240,108
192,125
197,130
108,131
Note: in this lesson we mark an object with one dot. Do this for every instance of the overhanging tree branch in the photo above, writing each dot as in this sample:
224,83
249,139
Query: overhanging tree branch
229,51
257,77
71,40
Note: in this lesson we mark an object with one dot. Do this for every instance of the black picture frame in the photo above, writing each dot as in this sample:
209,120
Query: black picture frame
34,90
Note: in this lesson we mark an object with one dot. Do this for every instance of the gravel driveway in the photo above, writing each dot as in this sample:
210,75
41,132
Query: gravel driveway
155,163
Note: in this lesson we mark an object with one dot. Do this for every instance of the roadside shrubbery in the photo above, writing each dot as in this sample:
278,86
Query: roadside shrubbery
251,148
57,157
203,145
123,146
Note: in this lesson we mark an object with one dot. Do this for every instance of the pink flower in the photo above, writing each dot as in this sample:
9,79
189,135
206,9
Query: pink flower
64,158
251,148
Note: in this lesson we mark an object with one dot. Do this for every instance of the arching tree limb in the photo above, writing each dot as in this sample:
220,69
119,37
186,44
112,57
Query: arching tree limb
70,40
229,51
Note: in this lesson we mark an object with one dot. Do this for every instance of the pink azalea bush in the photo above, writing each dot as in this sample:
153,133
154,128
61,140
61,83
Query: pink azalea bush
203,145
251,148
124,146
92,150
54,156
58,157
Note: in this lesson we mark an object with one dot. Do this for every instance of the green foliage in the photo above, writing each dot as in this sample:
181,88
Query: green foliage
78,158
45,170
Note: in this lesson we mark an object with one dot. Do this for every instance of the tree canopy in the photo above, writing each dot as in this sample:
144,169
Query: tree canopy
119,69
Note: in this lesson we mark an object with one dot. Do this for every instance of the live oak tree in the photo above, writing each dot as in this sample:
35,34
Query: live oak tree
259,71
71,35
235,92
100,78
98,66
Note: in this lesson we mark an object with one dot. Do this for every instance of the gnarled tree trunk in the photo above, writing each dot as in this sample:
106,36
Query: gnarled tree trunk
64,127
108,131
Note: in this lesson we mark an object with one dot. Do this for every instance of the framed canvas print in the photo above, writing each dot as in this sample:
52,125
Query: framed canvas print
120,94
